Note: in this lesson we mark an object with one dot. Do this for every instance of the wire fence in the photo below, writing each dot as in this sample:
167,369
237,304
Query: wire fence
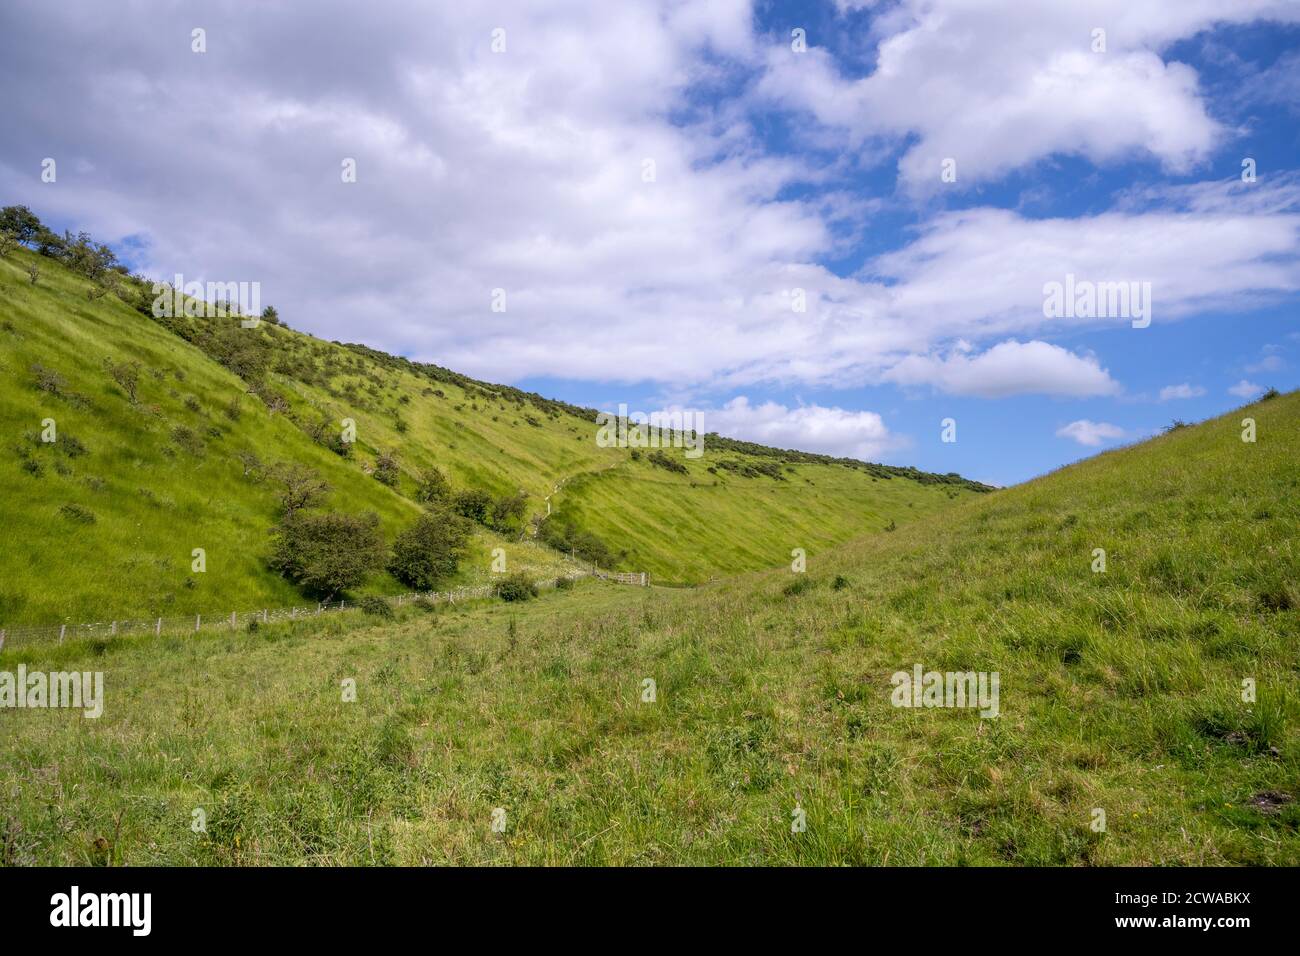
13,637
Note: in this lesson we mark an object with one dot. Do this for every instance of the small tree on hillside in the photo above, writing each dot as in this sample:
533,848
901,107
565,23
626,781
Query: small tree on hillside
19,222
508,511
303,487
328,553
433,486
430,549
127,375
472,503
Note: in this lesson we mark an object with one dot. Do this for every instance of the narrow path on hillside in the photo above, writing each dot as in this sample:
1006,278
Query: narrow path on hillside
560,484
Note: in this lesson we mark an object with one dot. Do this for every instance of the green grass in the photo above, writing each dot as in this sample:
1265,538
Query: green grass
109,533
1119,691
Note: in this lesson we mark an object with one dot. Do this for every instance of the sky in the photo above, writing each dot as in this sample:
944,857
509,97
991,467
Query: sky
836,226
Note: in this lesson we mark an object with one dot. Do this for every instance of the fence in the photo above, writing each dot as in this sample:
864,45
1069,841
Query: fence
14,636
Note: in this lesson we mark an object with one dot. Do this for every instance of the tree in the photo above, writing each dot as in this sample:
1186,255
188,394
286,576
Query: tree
270,315
303,487
430,549
127,375
327,553
472,503
508,511
19,222
432,486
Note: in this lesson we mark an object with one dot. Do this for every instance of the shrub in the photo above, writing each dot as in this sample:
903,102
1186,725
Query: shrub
386,468
563,584
508,511
432,486
472,503
303,487
660,460
376,606
78,514
187,440
516,587
429,550
797,586
840,583
327,553
127,375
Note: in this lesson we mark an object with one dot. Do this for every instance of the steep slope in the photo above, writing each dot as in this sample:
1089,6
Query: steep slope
103,522
1121,693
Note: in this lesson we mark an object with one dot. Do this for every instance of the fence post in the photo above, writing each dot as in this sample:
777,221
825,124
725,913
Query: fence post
293,614
113,630
265,618
2,639
318,607
234,619
157,628
197,620
63,629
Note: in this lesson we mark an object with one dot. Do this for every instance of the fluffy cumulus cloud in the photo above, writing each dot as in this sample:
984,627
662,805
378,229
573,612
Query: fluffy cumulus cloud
1172,393
1245,389
1001,84
608,173
1090,434
1008,368
831,431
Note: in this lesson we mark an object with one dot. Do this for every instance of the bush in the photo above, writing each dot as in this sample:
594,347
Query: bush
840,583
660,460
432,486
508,512
386,469
563,584
376,606
78,514
472,503
516,587
326,553
429,550
797,586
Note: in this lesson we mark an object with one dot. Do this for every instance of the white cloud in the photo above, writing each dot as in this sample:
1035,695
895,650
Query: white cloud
1269,363
830,431
1245,389
1175,392
1008,368
523,171
1090,433
1000,84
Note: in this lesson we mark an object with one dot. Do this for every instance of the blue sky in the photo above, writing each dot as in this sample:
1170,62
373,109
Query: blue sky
520,165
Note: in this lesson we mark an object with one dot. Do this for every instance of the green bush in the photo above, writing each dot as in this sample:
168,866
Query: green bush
78,514
563,584
472,503
429,550
376,607
326,553
516,587
432,486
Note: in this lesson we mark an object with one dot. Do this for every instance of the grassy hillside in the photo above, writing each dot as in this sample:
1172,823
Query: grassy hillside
1120,691
102,523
